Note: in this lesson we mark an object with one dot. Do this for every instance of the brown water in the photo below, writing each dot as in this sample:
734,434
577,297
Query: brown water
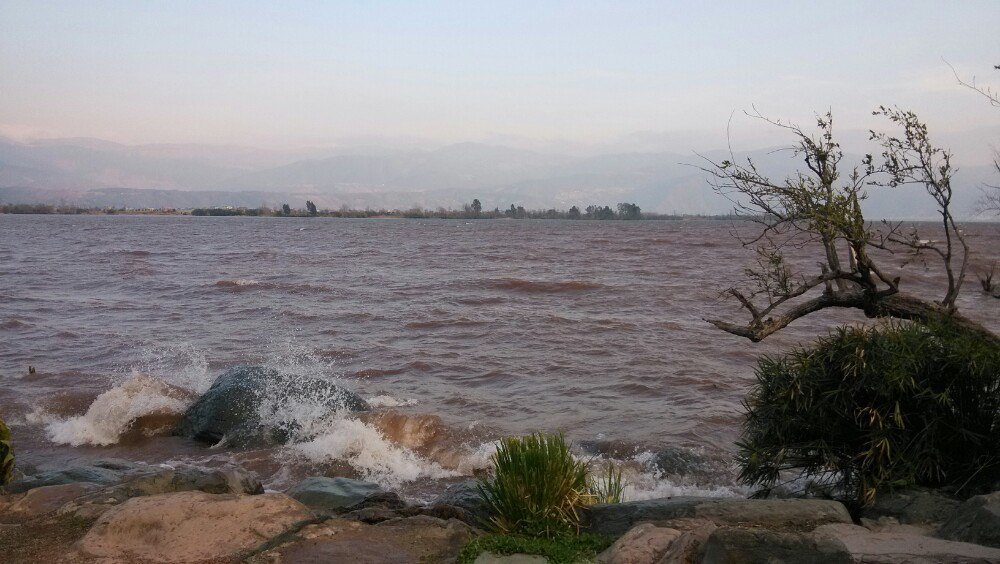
460,331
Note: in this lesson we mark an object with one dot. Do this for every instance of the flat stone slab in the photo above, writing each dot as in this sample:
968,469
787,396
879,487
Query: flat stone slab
616,519
333,493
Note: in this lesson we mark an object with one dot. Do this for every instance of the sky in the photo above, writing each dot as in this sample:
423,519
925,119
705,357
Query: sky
288,74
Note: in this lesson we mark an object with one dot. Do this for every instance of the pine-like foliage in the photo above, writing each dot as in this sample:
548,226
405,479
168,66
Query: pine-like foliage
867,409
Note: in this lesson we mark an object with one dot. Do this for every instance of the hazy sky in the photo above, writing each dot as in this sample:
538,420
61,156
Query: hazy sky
301,73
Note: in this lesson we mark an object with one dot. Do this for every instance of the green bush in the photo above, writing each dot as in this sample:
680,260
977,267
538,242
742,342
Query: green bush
567,549
537,486
6,455
608,488
870,409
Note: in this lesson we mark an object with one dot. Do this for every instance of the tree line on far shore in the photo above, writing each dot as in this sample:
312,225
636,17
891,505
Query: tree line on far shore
473,210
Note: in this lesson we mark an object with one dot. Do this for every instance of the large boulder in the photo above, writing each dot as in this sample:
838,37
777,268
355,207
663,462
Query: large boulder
466,498
616,519
42,500
190,527
977,520
252,405
331,494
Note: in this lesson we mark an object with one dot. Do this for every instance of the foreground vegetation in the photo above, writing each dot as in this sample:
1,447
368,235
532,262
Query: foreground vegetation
868,409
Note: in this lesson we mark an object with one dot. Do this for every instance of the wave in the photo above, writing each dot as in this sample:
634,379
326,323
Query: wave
141,405
542,286
443,323
14,324
249,284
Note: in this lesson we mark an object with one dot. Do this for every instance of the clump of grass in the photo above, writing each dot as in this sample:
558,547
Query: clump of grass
609,487
537,487
563,549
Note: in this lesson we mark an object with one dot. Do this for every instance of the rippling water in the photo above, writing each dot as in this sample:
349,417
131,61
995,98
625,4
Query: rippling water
459,331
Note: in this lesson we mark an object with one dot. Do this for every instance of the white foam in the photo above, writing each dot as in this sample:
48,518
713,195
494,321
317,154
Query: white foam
389,401
369,452
115,411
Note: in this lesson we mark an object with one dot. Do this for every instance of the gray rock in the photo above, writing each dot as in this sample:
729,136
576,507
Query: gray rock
331,494
465,496
231,408
915,506
616,519
104,472
154,480
977,521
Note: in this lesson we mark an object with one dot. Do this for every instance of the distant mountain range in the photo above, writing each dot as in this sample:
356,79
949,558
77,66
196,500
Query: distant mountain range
90,172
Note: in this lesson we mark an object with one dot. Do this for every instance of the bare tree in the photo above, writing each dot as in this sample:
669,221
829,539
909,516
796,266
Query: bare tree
821,207
990,201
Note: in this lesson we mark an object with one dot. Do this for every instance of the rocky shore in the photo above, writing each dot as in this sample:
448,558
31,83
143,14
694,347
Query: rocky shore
121,511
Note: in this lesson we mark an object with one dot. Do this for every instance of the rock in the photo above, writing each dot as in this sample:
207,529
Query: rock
690,547
862,545
190,526
465,496
232,408
914,506
679,462
616,519
108,471
490,558
45,499
329,494
836,543
408,540
732,545
644,544
977,520
156,480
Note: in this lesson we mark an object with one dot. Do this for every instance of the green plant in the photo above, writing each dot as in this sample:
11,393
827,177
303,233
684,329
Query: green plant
537,487
565,549
609,487
869,409
6,455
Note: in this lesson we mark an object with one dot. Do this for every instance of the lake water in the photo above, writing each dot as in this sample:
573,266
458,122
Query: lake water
457,331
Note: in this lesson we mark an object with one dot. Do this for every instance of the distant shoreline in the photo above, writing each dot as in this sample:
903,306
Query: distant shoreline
625,212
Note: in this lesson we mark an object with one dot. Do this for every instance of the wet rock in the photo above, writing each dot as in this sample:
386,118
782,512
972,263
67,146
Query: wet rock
330,494
690,547
465,497
190,526
406,540
977,520
43,500
232,408
643,544
679,462
915,506
155,480
616,519
106,471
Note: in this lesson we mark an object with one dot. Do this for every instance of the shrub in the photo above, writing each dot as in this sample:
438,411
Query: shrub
537,486
6,455
869,409
568,549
